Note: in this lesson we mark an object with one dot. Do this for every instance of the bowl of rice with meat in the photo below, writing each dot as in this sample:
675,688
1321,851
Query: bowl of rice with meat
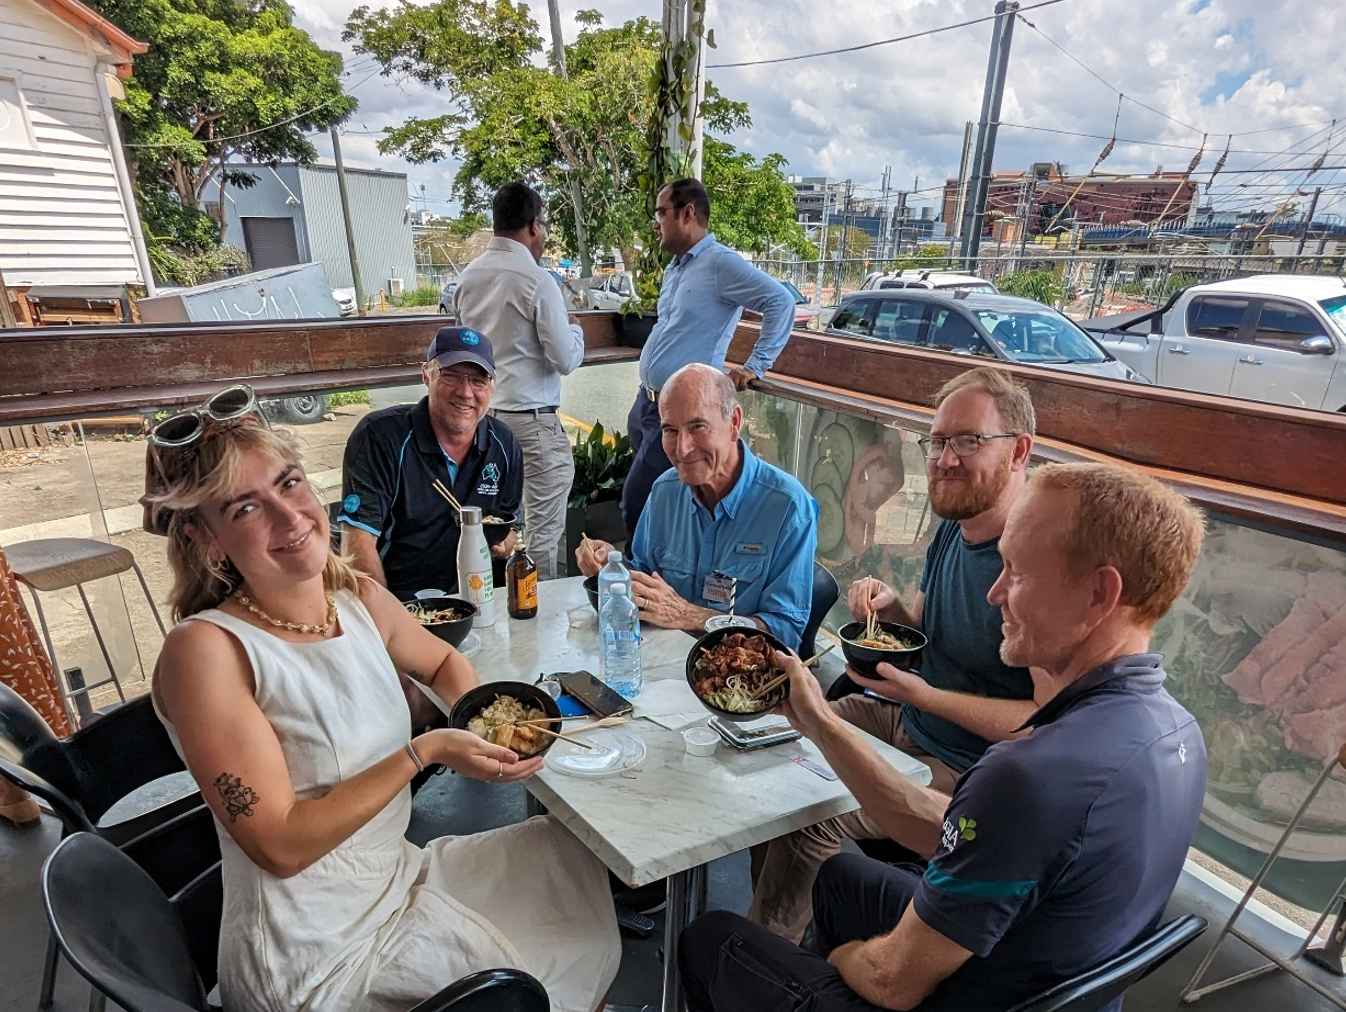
869,644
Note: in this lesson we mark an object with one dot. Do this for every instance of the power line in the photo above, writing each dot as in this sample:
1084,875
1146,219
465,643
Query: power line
1130,140
1115,90
872,45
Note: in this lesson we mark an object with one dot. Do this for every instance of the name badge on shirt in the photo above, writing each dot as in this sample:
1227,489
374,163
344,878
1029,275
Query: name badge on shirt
717,588
746,549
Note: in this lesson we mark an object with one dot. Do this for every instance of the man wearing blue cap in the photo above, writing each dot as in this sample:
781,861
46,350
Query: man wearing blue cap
400,530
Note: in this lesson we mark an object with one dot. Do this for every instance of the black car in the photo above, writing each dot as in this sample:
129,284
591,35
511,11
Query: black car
999,327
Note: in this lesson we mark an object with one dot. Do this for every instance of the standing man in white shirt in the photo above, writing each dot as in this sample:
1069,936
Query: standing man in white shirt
507,295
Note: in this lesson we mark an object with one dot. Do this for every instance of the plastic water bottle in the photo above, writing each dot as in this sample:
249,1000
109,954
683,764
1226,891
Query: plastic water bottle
614,572
619,642
475,581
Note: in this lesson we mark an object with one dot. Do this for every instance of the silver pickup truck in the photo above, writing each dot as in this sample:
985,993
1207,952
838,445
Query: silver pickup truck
1279,338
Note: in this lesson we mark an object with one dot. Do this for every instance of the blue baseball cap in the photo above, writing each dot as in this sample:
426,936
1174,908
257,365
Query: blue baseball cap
462,344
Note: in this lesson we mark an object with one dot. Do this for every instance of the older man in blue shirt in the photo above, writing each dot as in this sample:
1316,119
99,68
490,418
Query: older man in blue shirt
724,523
704,292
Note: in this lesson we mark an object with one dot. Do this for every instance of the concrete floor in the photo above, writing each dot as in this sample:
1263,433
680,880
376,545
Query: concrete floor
453,805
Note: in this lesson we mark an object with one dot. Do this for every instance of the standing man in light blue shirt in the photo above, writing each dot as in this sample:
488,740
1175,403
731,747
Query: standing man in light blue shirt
724,523
705,290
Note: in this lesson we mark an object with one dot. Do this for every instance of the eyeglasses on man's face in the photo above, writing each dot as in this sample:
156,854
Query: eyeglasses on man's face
453,379
660,213
965,444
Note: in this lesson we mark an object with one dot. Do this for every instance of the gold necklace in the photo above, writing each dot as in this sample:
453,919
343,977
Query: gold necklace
299,627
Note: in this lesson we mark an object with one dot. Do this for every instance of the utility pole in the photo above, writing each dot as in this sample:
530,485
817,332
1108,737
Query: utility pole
1030,200
886,232
346,220
901,222
558,49
841,260
1308,221
822,252
983,158
960,196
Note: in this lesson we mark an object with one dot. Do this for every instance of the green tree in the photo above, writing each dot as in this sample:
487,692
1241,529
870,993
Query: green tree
1040,284
752,207
507,119
222,80
856,246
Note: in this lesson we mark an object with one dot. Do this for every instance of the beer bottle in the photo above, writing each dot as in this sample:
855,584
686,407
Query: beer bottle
521,583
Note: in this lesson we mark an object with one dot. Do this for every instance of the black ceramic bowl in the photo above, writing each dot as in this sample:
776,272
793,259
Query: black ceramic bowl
591,590
712,639
453,633
497,532
867,659
473,701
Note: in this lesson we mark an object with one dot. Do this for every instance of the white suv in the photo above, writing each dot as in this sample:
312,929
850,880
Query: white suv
920,278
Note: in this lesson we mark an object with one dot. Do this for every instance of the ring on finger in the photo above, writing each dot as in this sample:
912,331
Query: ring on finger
502,770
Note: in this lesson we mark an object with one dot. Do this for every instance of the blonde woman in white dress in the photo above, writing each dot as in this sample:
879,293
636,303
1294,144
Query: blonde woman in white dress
279,687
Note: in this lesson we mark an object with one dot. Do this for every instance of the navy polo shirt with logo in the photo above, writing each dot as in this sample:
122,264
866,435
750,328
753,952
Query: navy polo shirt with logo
391,463
1061,848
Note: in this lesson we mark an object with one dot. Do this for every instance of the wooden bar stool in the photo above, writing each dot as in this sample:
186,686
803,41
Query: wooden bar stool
1331,957
53,564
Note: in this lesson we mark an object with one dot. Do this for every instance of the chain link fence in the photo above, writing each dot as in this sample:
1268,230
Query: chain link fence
1081,285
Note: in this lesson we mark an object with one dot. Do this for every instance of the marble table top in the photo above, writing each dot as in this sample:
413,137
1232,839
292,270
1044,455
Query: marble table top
676,811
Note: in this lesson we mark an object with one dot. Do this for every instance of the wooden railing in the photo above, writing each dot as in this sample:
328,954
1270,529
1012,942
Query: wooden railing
1269,465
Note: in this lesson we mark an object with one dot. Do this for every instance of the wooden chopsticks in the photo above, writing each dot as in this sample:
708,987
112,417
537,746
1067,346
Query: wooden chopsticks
780,680
443,490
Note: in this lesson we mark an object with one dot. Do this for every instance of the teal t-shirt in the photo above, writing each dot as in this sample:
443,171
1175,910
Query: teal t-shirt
963,654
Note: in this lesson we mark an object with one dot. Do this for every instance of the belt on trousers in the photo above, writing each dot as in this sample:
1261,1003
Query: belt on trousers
551,409
652,395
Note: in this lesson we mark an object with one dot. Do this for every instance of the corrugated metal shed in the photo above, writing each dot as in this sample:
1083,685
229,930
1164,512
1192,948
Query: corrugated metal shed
308,195
62,219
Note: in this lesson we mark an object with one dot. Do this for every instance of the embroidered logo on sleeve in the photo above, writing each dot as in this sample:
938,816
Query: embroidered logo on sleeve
351,503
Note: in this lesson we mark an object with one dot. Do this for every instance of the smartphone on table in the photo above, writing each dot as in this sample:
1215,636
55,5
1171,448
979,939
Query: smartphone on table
594,694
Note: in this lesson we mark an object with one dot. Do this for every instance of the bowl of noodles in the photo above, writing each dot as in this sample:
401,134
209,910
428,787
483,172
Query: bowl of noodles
728,669
449,618
499,712
869,644
496,524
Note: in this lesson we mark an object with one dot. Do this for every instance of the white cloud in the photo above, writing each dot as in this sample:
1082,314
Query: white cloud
1218,66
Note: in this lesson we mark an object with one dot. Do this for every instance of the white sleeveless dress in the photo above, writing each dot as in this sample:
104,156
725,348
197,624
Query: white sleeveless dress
379,923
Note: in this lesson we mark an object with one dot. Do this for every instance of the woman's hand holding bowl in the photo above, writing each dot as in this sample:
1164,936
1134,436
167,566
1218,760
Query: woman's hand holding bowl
465,753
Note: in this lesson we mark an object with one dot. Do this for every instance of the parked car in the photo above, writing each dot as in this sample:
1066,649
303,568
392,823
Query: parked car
1279,338
572,297
804,309
345,300
609,293
919,278
446,296
981,326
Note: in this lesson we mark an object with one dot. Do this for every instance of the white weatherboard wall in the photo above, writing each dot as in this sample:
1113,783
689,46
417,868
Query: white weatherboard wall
62,218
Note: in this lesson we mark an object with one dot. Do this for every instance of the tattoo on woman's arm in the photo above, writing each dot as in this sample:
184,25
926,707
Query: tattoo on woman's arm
238,797
418,676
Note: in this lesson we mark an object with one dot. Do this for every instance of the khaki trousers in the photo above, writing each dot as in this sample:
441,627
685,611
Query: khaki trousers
783,870
548,470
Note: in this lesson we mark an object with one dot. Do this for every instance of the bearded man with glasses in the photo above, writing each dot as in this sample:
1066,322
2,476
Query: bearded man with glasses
964,698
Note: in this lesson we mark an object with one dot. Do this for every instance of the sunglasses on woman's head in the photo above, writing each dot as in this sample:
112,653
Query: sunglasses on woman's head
187,427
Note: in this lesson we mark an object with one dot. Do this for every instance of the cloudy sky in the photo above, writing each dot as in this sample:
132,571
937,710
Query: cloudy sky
1272,75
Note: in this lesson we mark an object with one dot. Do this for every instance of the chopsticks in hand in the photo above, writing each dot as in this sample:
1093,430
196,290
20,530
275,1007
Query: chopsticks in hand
780,680
871,616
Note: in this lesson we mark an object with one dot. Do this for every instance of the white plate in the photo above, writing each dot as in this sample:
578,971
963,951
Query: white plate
613,752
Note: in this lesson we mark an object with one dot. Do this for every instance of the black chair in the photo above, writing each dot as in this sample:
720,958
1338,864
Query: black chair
825,594
83,776
87,773
152,953
1095,988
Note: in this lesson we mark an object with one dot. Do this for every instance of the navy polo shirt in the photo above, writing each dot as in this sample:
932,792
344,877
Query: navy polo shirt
1061,848
392,461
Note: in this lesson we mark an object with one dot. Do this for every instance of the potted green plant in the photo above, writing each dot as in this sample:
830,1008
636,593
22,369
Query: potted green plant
638,315
602,462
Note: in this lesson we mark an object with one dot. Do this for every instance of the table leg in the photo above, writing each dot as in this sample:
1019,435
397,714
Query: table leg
675,919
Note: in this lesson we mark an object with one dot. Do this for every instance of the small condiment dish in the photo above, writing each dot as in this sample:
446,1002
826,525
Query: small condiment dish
700,740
